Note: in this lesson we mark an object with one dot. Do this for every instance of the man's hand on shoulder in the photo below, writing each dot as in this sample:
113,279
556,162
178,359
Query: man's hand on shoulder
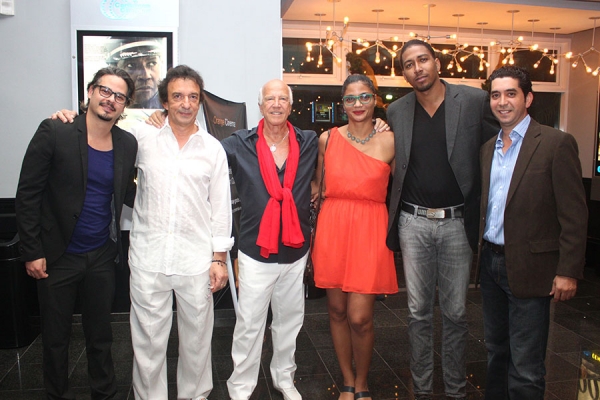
563,288
380,125
66,116
36,268
157,119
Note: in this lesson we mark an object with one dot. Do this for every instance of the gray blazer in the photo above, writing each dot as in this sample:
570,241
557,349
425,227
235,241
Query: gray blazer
469,123
545,220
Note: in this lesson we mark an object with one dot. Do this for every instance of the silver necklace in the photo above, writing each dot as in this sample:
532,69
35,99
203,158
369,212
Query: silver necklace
361,141
273,147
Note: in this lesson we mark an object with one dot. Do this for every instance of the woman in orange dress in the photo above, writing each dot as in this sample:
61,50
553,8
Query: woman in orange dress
350,257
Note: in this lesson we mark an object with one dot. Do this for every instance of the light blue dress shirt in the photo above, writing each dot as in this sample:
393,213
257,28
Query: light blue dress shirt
503,166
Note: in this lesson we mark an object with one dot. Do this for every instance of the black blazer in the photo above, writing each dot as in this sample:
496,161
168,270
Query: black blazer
52,185
469,124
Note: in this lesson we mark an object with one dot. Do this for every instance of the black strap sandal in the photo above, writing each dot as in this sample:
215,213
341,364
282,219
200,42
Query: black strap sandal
361,395
347,389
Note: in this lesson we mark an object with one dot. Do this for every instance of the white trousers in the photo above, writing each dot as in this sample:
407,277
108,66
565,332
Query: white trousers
259,284
151,319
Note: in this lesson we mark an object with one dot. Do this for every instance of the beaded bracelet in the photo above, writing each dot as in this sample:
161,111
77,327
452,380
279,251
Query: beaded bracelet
223,263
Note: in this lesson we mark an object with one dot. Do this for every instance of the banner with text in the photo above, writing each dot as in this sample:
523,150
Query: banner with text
223,117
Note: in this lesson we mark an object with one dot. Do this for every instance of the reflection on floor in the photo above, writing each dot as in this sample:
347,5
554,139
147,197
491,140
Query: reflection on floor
575,328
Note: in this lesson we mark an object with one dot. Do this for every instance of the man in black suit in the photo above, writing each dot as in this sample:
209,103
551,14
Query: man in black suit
434,209
74,181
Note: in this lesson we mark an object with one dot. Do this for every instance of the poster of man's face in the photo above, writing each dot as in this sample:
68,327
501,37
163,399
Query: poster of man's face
145,58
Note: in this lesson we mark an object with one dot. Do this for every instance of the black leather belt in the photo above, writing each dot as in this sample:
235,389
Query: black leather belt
438,213
496,248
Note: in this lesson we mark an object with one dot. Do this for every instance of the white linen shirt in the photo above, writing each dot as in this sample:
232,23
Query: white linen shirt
182,209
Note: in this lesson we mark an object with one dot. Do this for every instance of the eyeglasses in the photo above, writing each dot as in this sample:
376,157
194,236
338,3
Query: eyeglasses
107,92
364,98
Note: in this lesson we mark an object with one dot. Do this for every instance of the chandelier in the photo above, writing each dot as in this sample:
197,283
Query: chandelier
463,50
550,55
331,38
377,44
581,56
332,41
321,45
396,46
428,37
508,49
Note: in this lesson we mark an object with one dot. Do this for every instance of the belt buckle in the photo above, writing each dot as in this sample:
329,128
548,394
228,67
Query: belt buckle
436,213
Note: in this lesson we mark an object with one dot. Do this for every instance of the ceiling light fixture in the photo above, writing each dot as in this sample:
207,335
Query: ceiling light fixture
479,51
458,48
378,44
429,37
534,46
581,56
465,51
331,36
398,44
549,54
321,44
512,46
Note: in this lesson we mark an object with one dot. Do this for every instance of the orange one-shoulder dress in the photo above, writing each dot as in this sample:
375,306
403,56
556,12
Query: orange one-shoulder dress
349,251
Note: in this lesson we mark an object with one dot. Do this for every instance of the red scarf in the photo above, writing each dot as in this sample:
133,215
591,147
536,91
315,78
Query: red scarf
281,205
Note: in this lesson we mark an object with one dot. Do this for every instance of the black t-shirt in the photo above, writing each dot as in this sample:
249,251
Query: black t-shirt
430,181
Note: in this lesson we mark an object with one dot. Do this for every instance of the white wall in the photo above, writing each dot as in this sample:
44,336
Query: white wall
35,77
234,44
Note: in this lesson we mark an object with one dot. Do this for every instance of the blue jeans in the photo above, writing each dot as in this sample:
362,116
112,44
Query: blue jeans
516,334
436,251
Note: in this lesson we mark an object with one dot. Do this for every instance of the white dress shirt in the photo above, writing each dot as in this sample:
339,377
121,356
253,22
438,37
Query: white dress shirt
182,211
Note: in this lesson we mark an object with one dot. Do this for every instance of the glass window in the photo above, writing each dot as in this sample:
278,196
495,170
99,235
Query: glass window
296,57
545,108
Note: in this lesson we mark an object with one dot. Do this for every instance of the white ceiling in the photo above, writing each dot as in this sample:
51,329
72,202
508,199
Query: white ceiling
569,15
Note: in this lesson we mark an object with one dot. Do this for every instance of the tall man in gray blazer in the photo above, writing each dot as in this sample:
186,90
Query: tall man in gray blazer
73,184
434,208
533,236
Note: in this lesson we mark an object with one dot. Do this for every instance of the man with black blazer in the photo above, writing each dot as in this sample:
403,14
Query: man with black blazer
533,234
433,214
73,183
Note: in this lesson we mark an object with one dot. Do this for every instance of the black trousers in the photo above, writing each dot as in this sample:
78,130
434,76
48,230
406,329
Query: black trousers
91,276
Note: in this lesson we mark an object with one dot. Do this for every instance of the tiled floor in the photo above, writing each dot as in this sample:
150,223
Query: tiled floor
575,327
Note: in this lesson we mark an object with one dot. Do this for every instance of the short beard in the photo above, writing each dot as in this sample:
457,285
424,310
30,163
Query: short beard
424,88
104,117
